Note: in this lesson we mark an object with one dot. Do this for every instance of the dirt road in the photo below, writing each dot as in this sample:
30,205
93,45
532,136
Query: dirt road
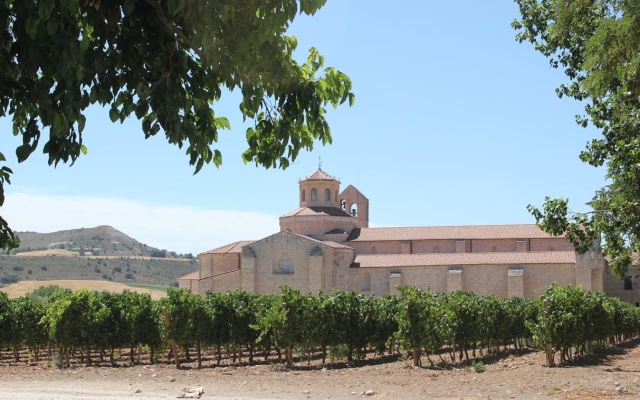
613,373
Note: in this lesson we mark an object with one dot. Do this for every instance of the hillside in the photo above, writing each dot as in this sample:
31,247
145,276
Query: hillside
102,240
100,253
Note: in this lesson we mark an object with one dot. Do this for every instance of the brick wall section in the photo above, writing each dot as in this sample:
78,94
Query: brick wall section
434,246
352,196
316,266
550,244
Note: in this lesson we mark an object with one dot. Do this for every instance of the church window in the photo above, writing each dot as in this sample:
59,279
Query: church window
343,204
354,210
628,283
327,195
302,195
314,194
336,200
366,281
284,265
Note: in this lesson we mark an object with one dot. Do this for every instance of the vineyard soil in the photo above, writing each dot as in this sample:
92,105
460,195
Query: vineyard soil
611,373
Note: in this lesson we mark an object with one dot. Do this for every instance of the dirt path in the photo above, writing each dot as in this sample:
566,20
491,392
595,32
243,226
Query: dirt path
611,374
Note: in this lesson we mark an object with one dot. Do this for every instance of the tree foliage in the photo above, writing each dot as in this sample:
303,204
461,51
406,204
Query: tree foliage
167,63
597,43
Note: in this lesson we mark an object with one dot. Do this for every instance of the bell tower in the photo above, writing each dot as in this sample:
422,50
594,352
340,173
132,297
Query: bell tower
319,190
320,215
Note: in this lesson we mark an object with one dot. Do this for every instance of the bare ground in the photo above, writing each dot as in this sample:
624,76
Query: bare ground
611,373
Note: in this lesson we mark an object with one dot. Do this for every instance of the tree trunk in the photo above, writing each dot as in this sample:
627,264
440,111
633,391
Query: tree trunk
324,354
416,356
88,356
289,355
198,354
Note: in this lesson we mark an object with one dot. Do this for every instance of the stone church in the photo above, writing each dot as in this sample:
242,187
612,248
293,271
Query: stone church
326,243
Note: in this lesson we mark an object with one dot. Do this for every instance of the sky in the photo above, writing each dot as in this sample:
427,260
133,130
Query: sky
455,123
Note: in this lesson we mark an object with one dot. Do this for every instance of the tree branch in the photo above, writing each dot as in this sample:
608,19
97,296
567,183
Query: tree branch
175,30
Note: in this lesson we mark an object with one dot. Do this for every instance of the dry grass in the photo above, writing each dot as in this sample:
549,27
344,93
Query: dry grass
50,252
23,287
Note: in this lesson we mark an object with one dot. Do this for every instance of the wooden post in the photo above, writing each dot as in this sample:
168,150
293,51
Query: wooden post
548,348
174,346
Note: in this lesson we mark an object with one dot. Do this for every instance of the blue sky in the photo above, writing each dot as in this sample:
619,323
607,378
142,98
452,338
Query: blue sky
455,123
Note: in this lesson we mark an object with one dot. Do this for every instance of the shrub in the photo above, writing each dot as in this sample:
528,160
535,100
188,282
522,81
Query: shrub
18,268
5,280
478,366
128,275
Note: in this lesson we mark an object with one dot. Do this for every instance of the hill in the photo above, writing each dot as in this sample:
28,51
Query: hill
100,253
102,240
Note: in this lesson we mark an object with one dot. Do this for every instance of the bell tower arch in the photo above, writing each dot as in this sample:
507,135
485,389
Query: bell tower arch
353,202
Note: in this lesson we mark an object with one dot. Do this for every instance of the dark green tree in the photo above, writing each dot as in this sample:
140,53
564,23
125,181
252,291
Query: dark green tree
167,63
597,44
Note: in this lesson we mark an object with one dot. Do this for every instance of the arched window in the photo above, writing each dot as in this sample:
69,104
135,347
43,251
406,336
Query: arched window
354,209
285,265
343,204
336,200
314,194
327,195
302,195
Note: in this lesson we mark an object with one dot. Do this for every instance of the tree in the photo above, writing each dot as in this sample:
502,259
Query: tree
597,43
167,63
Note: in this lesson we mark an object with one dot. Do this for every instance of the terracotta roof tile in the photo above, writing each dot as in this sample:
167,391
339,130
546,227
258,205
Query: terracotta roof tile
335,245
320,175
432,259
530,231
191,276
235,247
315,210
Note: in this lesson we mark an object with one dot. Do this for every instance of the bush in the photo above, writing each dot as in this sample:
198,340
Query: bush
44,268
478,366
158,253
29,272
6,280
117,269
18,268
128,276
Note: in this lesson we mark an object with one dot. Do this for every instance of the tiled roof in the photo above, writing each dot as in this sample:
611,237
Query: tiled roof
530,231
331,232
191,276
320,175
315,210
432,259
334,245
235,247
